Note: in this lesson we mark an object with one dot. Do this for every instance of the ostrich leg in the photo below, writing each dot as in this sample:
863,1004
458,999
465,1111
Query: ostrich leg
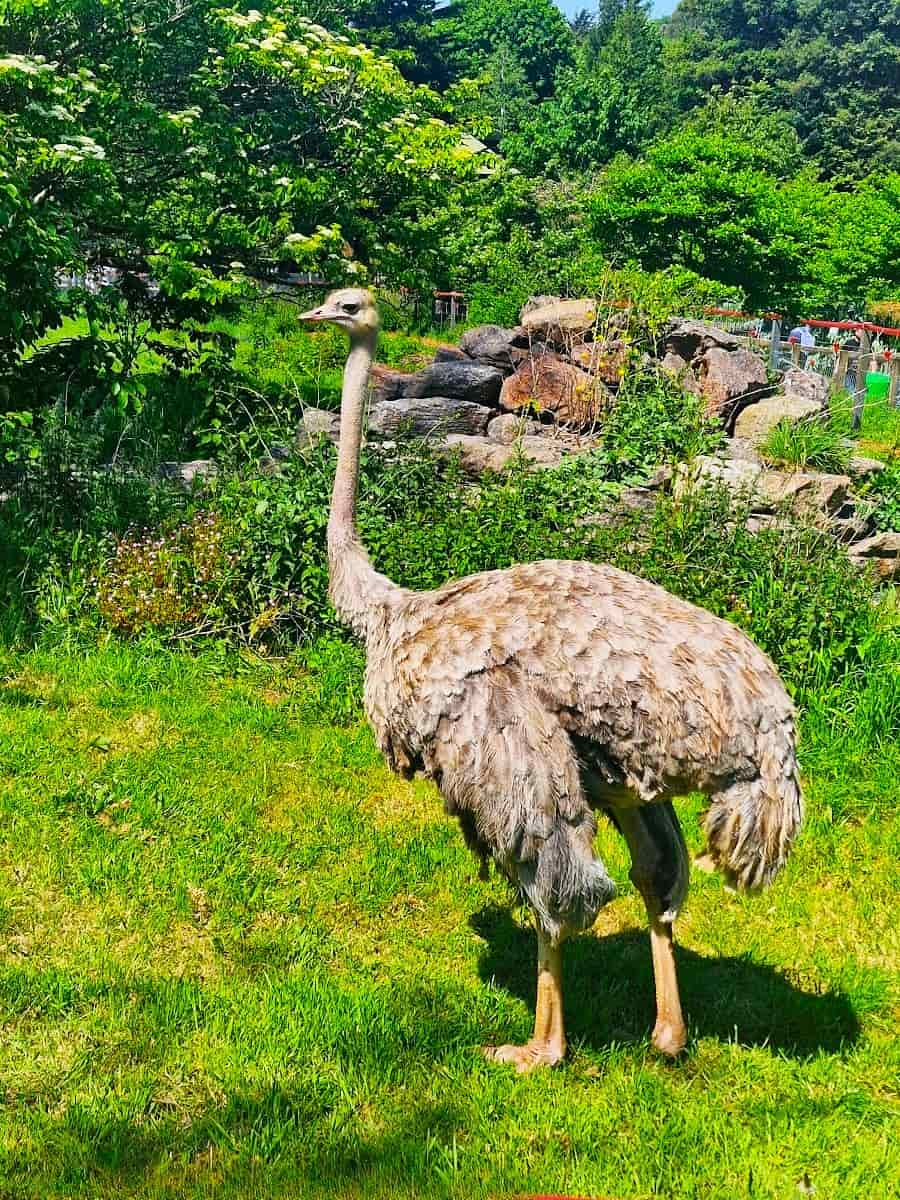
547,1045
659,870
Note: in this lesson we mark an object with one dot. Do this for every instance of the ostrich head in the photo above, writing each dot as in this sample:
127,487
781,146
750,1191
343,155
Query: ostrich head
351,309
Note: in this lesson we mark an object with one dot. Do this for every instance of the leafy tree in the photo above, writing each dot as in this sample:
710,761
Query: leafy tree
238,141
705,201
832,65
611,100
52,175
535,31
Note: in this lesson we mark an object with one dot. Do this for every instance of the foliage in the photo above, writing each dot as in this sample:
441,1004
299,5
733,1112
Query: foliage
243,140
833,67
654,421
534,32
609,101
175,581
814,444
707,200
886,498
49,171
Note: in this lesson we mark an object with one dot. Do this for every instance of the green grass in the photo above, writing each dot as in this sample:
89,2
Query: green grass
806,445
239,958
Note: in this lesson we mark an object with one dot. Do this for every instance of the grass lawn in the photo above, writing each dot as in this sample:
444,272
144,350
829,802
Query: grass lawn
239,958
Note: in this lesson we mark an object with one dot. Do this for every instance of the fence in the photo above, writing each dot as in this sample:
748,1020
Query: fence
847,368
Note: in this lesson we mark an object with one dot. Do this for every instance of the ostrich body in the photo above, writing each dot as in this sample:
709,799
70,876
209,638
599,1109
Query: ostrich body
537,696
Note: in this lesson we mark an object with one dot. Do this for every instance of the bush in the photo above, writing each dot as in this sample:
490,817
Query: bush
61,508
814,444
654,421
885,497
177,581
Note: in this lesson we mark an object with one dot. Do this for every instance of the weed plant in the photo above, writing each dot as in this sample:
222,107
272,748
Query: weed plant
810,444
884,496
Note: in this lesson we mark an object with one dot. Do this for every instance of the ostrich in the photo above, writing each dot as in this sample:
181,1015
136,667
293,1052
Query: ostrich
537,696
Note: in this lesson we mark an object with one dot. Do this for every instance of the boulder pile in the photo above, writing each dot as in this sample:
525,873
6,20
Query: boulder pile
543,388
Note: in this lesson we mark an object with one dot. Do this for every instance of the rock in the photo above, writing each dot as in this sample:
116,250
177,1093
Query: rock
271,463
631,503
447,353
316,423
548,384
674,365
863,468
560,321
880,552
850,528
756,421
502,349
425,415
730,380
738,475
689,339
812,495
606,360
386,383
455,380
806,385
506,428
480,454
188,475
806,494
741,449
535,302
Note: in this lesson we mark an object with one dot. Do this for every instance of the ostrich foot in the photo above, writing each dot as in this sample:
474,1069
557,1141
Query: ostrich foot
535,1053
669,1038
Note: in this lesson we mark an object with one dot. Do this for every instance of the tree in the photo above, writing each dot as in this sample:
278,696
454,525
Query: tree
610,101
535,31
237,141
52,179
706,202
832,65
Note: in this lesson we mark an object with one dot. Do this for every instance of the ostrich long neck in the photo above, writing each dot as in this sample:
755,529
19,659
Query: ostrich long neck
358,593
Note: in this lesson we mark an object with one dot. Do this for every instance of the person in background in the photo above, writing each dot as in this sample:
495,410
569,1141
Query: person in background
802,334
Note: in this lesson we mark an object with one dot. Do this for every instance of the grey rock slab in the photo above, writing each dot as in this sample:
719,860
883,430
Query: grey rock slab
455,380
188,475
560,321
316,423
689,338
806,385
480,454
428,414
805,493
755,422
495,347
508,427
863,468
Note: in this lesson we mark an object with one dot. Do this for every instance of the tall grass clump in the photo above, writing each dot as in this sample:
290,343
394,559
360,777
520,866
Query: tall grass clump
817,445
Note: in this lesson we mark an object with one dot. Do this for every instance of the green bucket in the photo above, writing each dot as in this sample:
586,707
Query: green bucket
877,386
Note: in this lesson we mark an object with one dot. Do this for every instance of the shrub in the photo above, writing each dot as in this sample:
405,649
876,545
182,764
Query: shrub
815,444
885,497
181,580
654,421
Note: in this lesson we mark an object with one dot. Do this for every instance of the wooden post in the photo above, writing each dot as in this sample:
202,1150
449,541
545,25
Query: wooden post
894,393
862,370
795,354
839,377
775,345
453,310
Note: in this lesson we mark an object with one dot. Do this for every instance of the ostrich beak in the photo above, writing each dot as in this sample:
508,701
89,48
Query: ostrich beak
325,312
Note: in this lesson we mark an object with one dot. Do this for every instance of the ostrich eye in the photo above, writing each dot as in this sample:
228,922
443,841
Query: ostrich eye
352,309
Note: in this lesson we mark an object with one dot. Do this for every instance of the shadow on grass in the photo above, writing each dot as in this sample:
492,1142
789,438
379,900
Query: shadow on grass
610,998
